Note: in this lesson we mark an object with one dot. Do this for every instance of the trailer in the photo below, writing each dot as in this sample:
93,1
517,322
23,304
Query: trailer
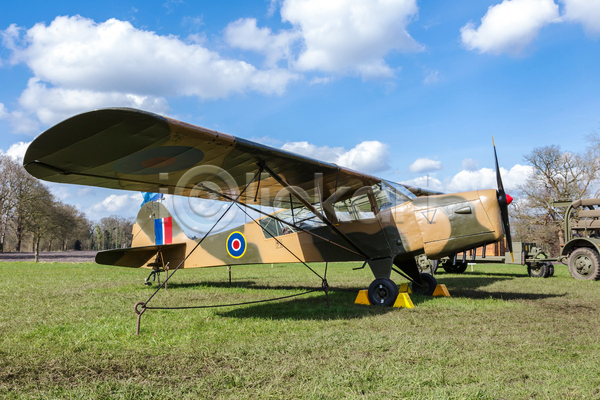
539,265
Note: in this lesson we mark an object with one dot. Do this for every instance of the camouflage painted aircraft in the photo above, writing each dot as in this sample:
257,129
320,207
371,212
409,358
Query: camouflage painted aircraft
317,211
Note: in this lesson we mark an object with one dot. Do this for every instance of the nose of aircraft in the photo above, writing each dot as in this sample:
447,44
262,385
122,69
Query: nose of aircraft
503,200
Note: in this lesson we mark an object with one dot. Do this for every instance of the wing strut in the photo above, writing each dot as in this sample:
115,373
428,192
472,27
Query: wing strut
307,204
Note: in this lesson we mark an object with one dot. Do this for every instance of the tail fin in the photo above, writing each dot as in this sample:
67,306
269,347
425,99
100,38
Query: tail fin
155,226
156,236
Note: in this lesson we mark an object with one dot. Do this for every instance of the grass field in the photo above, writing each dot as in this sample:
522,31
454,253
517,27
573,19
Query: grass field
67,331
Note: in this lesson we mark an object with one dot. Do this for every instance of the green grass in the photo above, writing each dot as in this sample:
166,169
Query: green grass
67,331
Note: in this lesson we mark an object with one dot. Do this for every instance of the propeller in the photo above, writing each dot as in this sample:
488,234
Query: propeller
503,200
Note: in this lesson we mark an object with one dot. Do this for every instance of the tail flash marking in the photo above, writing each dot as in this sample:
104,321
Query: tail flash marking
163,230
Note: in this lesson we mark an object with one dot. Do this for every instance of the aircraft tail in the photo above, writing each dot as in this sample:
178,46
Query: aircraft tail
156,237
154,225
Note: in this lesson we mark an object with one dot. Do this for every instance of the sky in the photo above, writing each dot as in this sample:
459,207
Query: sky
406,90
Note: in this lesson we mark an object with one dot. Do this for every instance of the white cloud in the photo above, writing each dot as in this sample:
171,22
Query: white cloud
426,182
244,34
510,26
424,165
124,204
586,12
485,178
351,36
79,64
369,156
17,150
52,105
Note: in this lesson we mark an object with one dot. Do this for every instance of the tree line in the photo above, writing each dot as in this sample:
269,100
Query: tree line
33,219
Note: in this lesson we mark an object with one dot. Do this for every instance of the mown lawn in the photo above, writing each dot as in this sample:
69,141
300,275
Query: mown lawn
67,331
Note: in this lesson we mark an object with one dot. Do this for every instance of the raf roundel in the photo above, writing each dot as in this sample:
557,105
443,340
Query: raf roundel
236,245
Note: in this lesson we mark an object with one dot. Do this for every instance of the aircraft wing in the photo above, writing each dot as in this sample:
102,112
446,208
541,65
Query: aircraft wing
128,149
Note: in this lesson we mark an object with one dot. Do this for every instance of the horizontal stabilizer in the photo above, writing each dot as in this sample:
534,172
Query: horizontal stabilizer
136,257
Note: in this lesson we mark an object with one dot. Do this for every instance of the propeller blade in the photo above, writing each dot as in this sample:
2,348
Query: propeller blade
503,203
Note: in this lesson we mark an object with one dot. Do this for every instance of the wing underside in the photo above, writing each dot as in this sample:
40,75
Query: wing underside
139,151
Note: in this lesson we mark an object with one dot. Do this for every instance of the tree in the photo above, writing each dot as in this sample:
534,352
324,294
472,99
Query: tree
8,186
556,175
39,218
26,192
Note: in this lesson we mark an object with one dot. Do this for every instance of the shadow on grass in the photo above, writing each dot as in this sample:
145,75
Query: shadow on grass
313,306
341,306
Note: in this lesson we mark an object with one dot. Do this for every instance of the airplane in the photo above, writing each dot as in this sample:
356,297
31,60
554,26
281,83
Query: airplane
308,210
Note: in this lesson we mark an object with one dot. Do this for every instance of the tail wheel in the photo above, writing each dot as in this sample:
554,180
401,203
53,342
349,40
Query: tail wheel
584,263
382,292
428,286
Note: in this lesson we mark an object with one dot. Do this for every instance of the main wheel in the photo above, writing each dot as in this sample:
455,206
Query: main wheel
537,270
584,263
428,286
382,292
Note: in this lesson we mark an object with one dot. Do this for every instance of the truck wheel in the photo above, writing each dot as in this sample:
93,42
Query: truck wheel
428,286
550,270
584,263
537,270
382,292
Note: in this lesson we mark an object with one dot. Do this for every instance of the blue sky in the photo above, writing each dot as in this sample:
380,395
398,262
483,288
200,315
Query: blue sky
400,89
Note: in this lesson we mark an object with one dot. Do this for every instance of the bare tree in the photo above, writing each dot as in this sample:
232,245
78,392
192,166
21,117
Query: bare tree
26,190
557,175
39,217
8,186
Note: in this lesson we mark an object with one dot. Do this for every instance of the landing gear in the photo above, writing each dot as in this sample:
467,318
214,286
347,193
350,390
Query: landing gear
428,286
383,292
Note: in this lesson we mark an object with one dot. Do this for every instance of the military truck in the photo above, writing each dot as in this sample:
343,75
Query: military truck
582,238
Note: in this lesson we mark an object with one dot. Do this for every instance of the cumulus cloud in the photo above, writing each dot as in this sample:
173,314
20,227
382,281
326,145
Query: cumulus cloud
369,156
586,12
485,178
80,64
351,36
53,104
17,150
510,26
124,204
244,34
424,165
426,182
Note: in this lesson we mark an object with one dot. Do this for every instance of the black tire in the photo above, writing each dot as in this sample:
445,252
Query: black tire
537,270
459,268
428,287
550,270
383,292
584,264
